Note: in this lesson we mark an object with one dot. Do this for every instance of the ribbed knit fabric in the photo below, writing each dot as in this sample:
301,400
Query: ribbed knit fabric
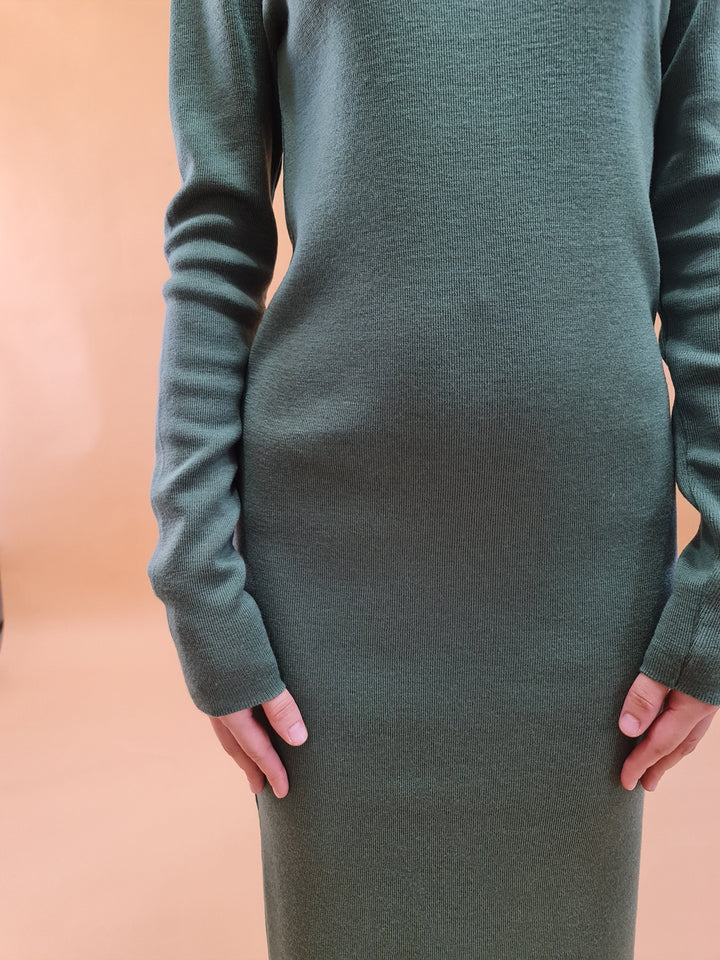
429,487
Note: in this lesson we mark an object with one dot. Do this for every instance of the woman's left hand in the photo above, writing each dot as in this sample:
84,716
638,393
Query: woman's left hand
675,724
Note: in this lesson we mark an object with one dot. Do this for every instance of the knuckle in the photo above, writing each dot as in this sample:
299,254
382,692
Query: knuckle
642,701
658,744
280,702
663,745
256,754
285,713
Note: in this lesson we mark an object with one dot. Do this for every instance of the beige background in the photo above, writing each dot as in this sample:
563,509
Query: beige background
125,830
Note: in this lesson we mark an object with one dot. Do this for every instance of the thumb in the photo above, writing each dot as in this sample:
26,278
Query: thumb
642,704
284,715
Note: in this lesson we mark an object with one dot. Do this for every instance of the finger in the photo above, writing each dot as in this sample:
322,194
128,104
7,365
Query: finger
256,778
284,715
644,701
664,736
254,740
652,776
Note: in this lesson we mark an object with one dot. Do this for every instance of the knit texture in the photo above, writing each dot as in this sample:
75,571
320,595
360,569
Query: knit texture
430,486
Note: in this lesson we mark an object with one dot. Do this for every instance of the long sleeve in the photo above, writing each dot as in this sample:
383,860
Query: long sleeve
684,651
221,248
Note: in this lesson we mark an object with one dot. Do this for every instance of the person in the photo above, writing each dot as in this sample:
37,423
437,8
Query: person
417,531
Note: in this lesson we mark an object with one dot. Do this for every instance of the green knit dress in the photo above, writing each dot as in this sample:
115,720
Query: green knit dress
430,486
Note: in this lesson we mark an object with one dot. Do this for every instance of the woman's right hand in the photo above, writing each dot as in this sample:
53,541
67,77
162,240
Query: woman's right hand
248,743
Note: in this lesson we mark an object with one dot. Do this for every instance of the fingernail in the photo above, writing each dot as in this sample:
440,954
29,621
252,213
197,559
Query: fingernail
632,785
629,724
298,733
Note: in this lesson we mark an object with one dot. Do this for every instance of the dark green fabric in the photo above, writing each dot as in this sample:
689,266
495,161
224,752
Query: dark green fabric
430,485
